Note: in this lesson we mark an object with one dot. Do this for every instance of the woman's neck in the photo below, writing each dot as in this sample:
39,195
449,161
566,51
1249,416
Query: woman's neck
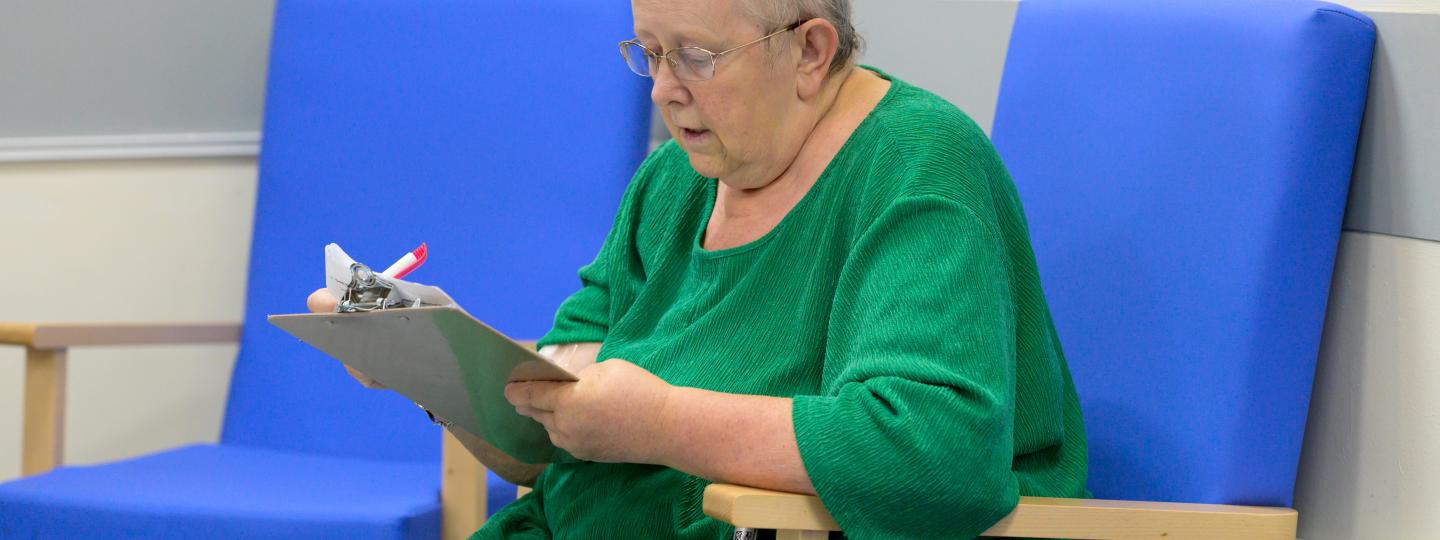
741,215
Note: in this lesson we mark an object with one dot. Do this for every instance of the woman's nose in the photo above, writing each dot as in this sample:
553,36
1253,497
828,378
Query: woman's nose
666,88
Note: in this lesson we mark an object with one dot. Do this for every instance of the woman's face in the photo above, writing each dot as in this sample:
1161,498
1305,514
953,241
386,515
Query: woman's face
732,125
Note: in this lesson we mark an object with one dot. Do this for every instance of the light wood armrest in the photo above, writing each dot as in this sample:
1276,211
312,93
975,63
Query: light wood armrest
46,348
755,508
1036,517
62,335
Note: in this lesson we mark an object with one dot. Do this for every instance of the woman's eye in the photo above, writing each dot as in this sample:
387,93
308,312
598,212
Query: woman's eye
693,56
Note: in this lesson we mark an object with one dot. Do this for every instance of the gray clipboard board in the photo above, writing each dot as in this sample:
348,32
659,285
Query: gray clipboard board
443,359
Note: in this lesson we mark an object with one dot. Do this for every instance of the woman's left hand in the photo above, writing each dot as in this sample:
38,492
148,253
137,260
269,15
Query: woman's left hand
614,413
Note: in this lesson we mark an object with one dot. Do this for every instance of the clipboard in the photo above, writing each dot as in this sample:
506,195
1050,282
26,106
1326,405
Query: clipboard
446,361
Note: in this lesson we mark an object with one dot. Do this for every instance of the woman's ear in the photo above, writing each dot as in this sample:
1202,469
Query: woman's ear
818,40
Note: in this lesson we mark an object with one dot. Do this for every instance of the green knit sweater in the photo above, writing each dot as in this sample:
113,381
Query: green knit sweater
898,303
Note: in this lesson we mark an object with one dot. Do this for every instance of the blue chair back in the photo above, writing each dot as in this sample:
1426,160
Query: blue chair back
500,132
1184,166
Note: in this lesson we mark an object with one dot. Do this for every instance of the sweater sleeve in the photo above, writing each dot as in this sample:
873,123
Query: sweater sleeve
586,315
911,436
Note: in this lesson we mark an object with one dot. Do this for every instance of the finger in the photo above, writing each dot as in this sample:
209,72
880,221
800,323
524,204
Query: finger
536,395
517,394
321,301
544,417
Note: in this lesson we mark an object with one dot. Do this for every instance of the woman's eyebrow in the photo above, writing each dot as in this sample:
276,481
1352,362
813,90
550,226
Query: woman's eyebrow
685,36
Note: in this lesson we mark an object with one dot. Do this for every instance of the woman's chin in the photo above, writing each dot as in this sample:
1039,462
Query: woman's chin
706,166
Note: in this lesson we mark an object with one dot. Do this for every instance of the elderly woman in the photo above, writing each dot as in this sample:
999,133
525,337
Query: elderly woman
823,284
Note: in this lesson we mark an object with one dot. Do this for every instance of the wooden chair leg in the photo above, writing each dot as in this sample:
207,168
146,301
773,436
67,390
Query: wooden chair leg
44,422
462,491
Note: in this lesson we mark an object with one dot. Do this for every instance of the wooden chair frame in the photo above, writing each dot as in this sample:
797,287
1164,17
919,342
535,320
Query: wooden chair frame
463,484
463,478
804,517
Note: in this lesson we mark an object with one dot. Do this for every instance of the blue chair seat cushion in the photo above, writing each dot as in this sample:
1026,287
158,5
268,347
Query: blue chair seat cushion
227,491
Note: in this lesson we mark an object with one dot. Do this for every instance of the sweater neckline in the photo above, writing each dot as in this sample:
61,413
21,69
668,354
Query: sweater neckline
712,184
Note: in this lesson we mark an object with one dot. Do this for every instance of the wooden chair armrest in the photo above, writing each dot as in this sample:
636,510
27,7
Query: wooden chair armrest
46,346
1036,517
64,335
755,508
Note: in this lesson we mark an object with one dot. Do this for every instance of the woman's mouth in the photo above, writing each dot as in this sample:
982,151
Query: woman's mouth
694,136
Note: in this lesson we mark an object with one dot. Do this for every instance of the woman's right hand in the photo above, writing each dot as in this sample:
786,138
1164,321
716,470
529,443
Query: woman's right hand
321,301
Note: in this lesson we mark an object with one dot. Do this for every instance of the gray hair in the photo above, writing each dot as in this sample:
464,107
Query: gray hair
776,14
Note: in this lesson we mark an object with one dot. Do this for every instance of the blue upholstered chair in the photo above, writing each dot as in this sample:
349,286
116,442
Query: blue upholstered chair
500,132
1184,166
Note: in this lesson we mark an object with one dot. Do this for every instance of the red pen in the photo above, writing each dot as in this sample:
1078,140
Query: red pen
407,263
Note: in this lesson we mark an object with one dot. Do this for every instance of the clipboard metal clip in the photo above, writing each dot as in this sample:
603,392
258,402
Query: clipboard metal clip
368,291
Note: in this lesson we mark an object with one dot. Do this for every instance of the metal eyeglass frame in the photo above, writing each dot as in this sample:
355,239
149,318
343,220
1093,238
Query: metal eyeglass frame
714,56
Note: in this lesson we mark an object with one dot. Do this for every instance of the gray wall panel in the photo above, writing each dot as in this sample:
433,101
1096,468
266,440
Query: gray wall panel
99,67
1396,189
94,68
955,48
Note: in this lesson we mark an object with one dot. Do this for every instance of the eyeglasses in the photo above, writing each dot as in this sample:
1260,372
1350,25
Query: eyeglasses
687,63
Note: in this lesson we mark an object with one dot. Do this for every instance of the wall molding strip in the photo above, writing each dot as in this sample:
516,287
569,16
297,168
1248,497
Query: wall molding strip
138,146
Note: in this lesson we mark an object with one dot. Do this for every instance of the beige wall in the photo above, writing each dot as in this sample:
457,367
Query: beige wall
1370,468
132,240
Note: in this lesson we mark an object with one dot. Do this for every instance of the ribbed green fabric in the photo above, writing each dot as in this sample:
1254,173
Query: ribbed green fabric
898,303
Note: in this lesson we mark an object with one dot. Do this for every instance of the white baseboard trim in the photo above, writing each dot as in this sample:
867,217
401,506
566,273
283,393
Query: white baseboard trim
144,146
